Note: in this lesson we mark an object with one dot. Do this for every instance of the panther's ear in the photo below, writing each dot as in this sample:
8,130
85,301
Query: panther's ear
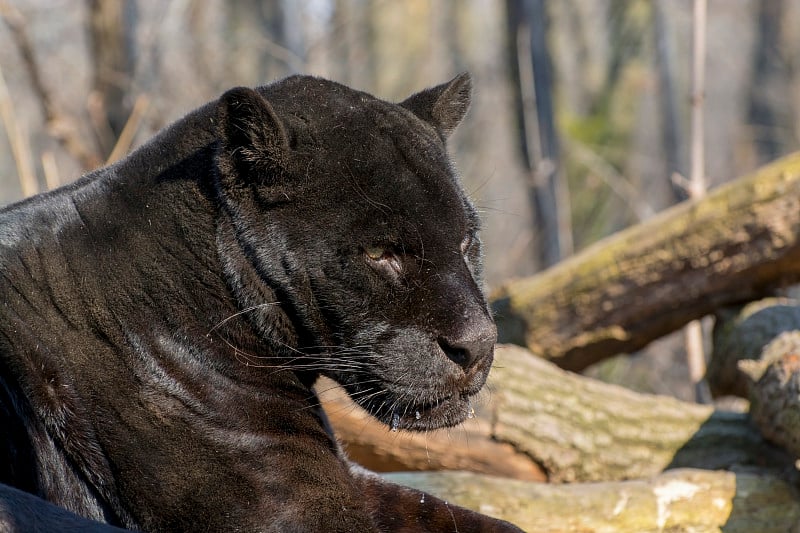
253,138
443,106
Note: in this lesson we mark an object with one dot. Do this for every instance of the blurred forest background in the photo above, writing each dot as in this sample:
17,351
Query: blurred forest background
579,125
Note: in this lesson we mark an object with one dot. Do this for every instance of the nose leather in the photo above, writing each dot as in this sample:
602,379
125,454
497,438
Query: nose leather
474,342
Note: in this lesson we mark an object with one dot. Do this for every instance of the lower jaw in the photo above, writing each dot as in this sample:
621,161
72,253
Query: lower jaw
448,413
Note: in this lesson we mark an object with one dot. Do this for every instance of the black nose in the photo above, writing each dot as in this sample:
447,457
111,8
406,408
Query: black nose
472,344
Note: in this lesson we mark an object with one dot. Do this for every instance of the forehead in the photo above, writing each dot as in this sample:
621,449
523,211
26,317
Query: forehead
400,171
375,159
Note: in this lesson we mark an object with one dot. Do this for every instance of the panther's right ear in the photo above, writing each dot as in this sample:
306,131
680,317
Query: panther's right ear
253,140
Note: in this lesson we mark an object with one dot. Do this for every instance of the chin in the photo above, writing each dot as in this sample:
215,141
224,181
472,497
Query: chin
398,413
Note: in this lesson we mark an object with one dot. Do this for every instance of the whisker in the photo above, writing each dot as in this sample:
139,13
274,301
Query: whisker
239,313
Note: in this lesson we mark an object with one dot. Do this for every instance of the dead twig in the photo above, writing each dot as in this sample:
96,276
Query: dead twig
51,177
126,136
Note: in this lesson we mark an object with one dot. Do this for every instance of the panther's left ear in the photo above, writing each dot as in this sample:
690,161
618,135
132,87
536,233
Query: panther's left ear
253,139
443,106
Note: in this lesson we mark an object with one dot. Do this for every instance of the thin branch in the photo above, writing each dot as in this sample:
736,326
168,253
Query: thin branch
697,176
50,168
695,355
125,139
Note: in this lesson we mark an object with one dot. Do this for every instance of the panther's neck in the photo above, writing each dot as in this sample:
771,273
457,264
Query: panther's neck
179,254
153,236
128,248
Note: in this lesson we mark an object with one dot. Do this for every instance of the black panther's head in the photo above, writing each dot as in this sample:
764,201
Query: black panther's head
347,212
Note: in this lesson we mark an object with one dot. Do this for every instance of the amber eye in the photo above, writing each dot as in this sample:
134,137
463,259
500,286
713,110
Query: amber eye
383,260
375,253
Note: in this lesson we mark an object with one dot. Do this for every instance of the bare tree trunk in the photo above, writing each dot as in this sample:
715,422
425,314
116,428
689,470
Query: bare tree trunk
770,102
735,245
695,354
531,73
551,193
670,136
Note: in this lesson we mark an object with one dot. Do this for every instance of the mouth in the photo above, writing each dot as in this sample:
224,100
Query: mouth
444,411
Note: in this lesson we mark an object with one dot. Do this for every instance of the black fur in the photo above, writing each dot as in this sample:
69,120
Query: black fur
163,319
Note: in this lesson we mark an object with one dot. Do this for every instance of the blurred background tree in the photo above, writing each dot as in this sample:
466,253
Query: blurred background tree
579,123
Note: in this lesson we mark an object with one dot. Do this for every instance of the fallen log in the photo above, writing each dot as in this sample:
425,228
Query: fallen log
538,421
735,245
775,392
757,355
678,501
742,333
